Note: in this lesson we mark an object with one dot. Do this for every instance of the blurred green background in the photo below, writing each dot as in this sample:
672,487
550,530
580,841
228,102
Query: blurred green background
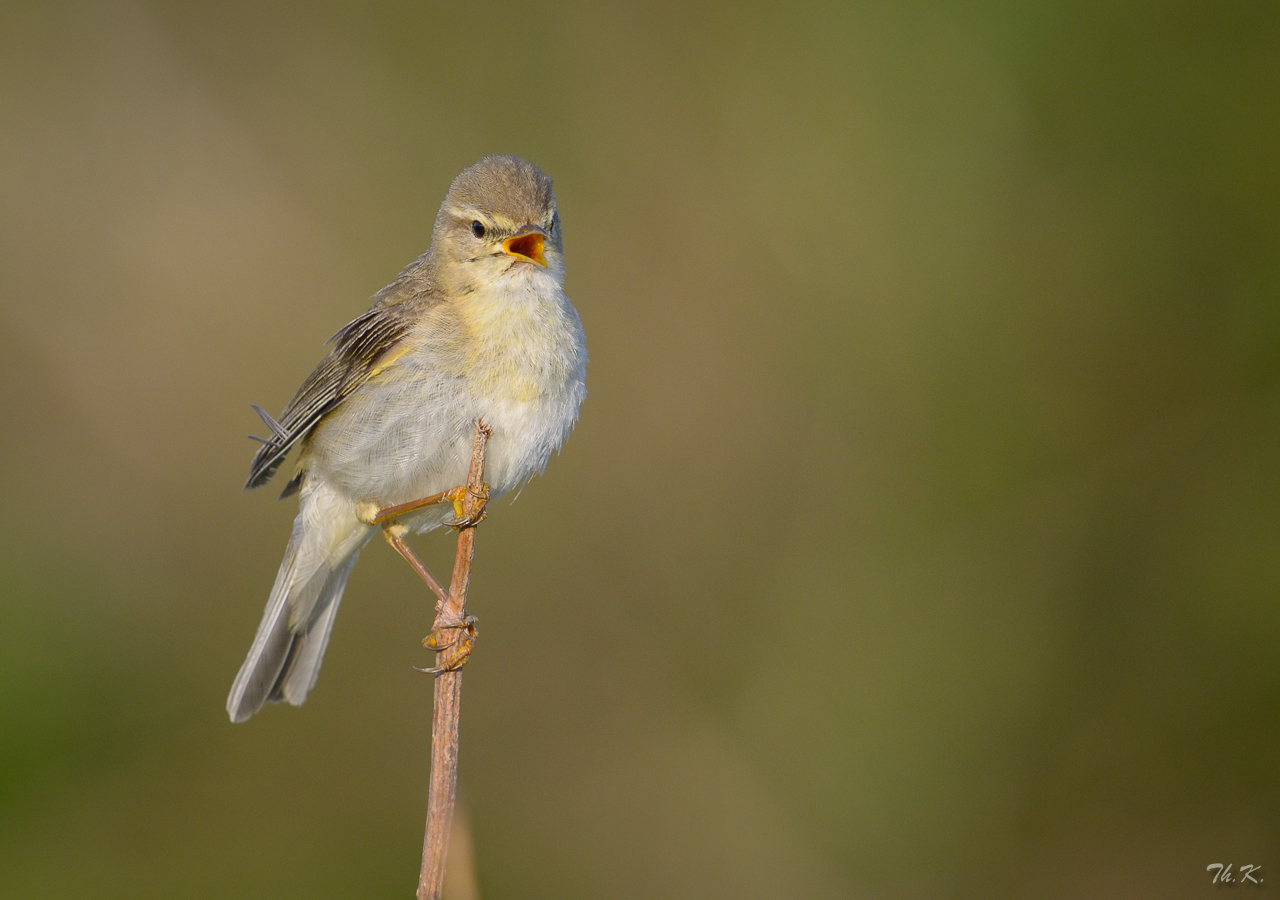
921,533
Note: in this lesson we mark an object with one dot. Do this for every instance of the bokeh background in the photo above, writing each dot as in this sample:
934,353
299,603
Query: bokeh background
921,533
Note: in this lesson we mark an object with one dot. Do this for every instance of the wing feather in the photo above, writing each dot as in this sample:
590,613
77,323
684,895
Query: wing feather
357,349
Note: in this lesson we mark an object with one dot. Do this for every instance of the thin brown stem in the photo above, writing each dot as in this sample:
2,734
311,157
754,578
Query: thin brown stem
448,686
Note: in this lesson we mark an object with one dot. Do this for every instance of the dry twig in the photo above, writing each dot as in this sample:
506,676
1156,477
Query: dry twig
448,686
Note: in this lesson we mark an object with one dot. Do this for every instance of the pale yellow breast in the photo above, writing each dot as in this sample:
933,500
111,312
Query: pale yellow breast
519,342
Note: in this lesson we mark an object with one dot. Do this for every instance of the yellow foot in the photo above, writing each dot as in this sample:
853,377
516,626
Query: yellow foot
456,650
468,508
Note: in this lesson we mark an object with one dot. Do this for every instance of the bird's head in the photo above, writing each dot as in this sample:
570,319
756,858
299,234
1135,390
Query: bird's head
498,220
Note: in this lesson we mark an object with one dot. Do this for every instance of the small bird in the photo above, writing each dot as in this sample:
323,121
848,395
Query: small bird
476,329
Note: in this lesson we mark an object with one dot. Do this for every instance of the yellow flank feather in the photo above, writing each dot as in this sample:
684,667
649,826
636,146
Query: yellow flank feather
390,357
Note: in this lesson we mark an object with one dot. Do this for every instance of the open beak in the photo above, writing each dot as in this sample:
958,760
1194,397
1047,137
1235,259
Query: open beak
527,245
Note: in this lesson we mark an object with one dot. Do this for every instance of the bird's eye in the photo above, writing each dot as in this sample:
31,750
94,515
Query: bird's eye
477,229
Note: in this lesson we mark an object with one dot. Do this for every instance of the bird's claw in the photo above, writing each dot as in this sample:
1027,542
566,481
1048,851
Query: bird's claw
457,650
469,508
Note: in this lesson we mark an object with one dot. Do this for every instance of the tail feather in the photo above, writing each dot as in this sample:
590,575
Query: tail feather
287,651
302,667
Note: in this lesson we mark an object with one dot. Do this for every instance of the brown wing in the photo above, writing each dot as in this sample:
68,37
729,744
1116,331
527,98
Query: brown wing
354,357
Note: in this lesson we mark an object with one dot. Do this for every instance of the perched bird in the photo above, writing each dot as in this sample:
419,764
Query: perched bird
478,328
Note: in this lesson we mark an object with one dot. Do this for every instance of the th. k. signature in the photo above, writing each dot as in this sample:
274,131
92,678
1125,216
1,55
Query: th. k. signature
1246,874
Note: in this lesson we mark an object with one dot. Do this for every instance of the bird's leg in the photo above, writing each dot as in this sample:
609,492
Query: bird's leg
459,648
372,514
395,537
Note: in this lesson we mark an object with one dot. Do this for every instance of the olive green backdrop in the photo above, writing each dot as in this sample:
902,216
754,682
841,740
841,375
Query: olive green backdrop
920,537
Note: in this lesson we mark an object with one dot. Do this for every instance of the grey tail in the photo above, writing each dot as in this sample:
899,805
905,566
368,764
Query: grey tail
285,659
